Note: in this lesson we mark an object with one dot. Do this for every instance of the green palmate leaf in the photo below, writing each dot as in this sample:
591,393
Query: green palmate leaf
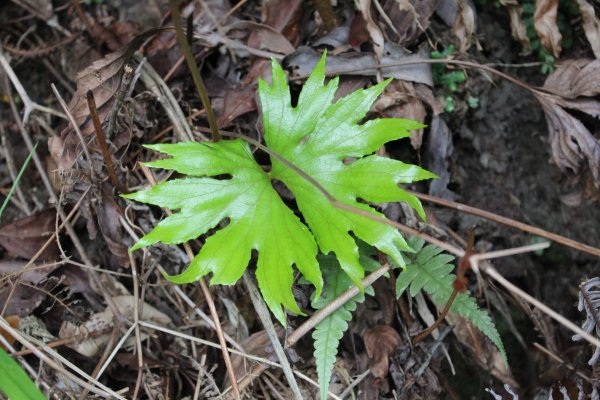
14,382
324,141
328,333
430,271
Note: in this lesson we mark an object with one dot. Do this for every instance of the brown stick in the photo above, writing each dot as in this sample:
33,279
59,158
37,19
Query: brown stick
509,222
102,142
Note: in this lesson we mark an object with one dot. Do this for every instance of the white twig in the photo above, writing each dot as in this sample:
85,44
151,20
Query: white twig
261,360
265,318
30,106
494,274
97,388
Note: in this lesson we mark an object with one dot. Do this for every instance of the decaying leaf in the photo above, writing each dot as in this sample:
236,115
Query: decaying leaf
13,321
372,28
25,236
104,320
25,297
380,343
574,148
589,300
403,99
102,78
437,158
591,25
484,352
257,344
517,27
304,59
235,103
464,24
544,22
409,19
575,78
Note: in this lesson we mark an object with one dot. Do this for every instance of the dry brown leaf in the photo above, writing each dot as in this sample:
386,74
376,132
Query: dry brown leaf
374,31
591,25
464,24
235,103
544,22
575,78
257,344
304,59
102,78
437,154
400,100
380,343
572,144
105,320
13,321
358,32
25,236
517,27
574,148
409,18
483,350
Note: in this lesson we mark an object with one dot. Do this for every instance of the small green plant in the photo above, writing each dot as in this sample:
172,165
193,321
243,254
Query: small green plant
318,138
430,270
316,147
449,80
328,333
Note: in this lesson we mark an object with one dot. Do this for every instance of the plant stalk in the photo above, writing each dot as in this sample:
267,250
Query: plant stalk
191,62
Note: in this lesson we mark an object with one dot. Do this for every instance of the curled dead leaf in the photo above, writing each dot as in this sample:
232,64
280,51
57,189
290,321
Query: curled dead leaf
381,342
517,27
257,344
544,22
102,78
575,149
575,78
591,25
25,236
573,146
373,29
464,24
409,19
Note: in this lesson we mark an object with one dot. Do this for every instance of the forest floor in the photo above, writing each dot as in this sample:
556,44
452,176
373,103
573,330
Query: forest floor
511,128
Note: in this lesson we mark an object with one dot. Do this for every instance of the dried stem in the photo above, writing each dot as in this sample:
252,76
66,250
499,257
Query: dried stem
191,62
101,140
265,317
509,222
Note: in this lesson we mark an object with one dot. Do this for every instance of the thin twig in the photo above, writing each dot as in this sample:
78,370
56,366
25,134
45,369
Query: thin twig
64,106
98,388
191,62
27,102
101,140
494,274
326,311
119,99
509,222
265,317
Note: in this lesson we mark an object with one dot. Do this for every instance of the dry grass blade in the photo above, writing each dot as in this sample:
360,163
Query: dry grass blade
33,344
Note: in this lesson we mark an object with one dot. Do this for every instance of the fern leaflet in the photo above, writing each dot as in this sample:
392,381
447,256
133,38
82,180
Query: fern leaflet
430,271
328,333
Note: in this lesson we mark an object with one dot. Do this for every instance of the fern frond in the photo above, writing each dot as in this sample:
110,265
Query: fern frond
430,271
328,333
